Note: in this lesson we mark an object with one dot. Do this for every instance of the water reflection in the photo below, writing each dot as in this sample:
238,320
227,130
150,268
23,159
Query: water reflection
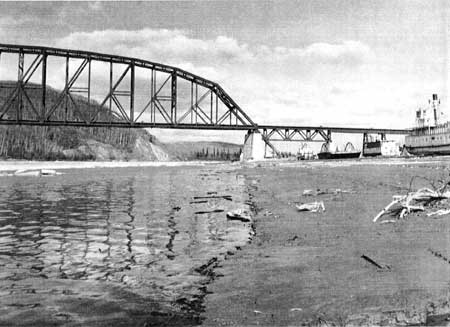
128,227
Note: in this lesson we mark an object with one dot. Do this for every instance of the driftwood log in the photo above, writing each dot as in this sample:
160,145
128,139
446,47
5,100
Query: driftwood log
413,201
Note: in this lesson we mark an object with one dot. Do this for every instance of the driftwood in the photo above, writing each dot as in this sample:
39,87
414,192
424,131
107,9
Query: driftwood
440,212
376,264
210,211
199,201
312,207
239,214
413,201
226,197
326,191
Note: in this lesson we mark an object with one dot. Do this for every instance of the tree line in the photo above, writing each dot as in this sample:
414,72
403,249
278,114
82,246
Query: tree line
217,154
48,143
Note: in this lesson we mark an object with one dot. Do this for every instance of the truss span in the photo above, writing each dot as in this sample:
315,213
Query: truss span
136,93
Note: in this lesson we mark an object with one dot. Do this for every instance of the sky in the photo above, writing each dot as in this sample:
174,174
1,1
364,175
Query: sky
339,63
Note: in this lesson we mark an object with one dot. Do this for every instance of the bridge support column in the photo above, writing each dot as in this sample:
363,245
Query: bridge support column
254,147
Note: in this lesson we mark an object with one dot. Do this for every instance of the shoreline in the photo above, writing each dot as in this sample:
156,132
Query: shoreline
11,165
14,165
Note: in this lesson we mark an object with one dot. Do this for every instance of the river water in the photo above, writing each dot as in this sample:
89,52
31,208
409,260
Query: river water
118,246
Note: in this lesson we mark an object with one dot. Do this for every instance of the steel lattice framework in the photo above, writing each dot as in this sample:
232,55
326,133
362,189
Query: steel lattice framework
162,109
200,104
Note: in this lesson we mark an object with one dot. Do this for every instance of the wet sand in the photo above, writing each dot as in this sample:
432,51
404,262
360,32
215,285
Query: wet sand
306,268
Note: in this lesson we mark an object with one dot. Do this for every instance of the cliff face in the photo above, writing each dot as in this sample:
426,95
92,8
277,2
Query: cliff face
74,143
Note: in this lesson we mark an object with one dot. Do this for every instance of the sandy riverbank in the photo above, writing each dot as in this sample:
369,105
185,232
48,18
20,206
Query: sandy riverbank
306,268
13,165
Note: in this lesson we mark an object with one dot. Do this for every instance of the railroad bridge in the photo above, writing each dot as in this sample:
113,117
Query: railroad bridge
135,93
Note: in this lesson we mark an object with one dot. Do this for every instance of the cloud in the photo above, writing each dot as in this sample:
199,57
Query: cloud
349,53
95,5
162,45
176,46
6,21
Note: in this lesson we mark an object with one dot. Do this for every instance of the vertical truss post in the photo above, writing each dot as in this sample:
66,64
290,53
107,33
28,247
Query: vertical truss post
217,108
43,86
192,100
264,136
151,96
154,95
132,88
89,89
196,103
66,100
20,82
110,90
329,136
173,98
383,136
211,106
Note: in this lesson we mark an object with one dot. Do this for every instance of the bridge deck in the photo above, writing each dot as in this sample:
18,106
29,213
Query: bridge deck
334,129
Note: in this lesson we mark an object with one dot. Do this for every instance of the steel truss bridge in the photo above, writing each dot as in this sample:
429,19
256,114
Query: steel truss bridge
133,93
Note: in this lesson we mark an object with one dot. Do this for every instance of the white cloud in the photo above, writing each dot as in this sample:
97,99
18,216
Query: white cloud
175,46
95,5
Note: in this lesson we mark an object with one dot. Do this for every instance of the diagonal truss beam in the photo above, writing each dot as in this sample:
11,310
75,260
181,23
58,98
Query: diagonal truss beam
22,81
193,108
67,87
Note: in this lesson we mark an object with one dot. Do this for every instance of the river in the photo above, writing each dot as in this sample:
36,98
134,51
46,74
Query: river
116,246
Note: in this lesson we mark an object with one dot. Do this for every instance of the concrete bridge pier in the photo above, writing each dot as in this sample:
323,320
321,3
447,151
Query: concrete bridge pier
254,147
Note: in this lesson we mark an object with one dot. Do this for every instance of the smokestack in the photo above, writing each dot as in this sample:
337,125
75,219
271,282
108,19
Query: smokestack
435,97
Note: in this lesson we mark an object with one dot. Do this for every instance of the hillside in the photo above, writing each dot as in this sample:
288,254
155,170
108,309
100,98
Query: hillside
74,143
84,143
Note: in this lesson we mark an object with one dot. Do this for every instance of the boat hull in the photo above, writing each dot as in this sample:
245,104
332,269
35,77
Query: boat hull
373,152
339,155
439,150
428,144
372,149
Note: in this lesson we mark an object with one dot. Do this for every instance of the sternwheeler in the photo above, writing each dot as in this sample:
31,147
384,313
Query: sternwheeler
430,136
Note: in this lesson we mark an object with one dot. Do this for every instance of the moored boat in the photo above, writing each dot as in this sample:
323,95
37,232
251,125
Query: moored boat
430,136
348,153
